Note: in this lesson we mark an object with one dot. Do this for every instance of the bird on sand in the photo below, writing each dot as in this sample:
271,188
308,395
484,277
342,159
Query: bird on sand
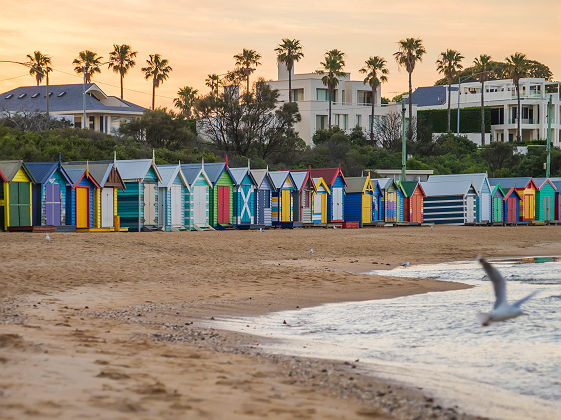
47,237
406,264
502,310
311,251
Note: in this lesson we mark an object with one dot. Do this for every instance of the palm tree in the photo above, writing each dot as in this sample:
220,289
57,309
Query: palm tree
245,60
121,60
185,100
39,66
332,69
410,51
449,64
289,52
517,68
212,82
481,66
376,73
157,69
88,63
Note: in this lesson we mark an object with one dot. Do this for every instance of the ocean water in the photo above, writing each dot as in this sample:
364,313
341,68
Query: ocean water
433,341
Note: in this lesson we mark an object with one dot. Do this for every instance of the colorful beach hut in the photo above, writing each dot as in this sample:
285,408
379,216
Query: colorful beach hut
358,200
512,202
243,196
80,197
197,207
263,197
449,202
377,201
283,198
414,196
16,208
557,184
138,202
319,201
49,193
497,204
389,190
526,188
304,189
221,202
545,199
173,192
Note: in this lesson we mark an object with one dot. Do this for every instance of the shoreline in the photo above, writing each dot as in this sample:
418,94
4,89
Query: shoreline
126,332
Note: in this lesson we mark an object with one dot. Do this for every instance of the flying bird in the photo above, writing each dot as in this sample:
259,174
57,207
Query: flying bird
502,310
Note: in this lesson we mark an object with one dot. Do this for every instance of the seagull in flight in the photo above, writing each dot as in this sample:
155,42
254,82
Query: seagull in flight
502,310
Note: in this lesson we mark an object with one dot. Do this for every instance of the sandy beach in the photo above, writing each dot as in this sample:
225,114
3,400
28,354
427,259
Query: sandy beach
108,325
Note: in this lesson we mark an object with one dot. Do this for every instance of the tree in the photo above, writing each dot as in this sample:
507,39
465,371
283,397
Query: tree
289,52
376,73
332,64
449,64
121,60
88,63
410,51
517,68
245,60
39,66
212,82
481,66
157,69
185,100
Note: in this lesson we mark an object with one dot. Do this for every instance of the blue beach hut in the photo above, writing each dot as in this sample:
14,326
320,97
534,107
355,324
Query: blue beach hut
243,196
197,208
358,200
80,197
173,192
263,197
497,204
283,198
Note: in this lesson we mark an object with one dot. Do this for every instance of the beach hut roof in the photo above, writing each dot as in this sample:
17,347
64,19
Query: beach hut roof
510,192
383,182
496,188
328,174
409,187
99,170
280,177
238,174
215,170
356,184
191,172
299,178
136,169
556,184
77,172
42,171
320,181
436,189
9,169
477,179
168,174
259,175
518,182
540,182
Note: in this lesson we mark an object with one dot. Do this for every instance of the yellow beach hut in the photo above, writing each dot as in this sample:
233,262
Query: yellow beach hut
319,201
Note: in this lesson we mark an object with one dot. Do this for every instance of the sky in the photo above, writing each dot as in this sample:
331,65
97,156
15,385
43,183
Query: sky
200,37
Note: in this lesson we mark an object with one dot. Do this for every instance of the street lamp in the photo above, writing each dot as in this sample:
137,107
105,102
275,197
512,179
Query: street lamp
46,74
460,92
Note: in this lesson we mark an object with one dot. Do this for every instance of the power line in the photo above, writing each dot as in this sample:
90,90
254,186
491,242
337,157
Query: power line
16,77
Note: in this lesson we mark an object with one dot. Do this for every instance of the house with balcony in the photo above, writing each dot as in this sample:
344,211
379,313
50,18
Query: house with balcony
104,113
351,103
500,96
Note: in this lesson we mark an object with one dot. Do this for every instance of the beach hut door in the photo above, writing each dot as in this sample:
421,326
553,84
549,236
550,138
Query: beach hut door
19,196
497,208
485,206
176,207
52,204
82,207
470,209
200,205
150,204
107,211
261,206
337,204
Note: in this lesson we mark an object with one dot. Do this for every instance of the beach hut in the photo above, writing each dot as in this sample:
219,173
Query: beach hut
557,184
358,200
545,199
481,183
377,201
80,197
497,204
304,189
16,210
512,202
138,202
197,207
243,197
526,188
319,201
389,190
283,198
400,203
221,200
173,192
49,193
414,196
263,197
449,202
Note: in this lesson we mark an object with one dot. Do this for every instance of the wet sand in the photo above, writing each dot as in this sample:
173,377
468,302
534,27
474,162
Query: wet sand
106,325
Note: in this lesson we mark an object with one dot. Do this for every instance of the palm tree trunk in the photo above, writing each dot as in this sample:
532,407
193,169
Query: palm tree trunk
372,116
329,117
289,86
247,90
153,93
518,113
121,85
483,111
449,99
410,134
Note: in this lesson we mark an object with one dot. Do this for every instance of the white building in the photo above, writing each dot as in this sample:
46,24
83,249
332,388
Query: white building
500,96
352,105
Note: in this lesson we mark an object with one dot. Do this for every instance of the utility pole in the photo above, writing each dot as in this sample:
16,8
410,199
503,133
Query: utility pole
548,163
403,142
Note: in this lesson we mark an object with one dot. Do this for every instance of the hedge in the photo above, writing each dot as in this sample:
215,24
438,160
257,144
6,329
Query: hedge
436,120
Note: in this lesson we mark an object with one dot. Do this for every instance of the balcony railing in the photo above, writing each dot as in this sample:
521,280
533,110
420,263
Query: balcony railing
533,95
523,121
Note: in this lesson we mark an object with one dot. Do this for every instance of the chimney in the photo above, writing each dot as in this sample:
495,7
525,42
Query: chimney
283,72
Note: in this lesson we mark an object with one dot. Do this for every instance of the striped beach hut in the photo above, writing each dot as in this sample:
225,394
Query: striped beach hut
173,192
526,188
80,199
358,200
16,208
545,199
497,204
389,190
243,196
557,184
482,185
263,197
197,206
283,198
221,200
414,197
319,201
449,202
138,203
303,196
512,202
49,193
377,201
400,203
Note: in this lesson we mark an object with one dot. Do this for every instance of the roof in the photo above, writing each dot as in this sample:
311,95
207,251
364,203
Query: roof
9,169
511,191
279,178
99,170
42,171
497,188
76,172
64,98
2,176
557,185
214,171
238,174
518,182
409,187
299,178
477,179
430,95
540,182
168,174
356,184
136,169
328,174
191,172
383,182
435,189
259,175
318,182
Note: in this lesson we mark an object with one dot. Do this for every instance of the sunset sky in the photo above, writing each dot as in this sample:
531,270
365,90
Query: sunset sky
201,37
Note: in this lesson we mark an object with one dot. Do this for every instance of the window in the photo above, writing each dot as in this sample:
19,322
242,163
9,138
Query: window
35,95
297,95
61,94
341,121
321,122
101,125
9,96
23,95
358,120
322,94
364,97
77,122
342,95
92,122
497,116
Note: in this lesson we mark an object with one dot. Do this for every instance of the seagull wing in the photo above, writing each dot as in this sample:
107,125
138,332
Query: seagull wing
524,299
499,282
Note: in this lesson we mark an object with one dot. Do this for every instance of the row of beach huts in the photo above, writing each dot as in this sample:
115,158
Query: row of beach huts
138,195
